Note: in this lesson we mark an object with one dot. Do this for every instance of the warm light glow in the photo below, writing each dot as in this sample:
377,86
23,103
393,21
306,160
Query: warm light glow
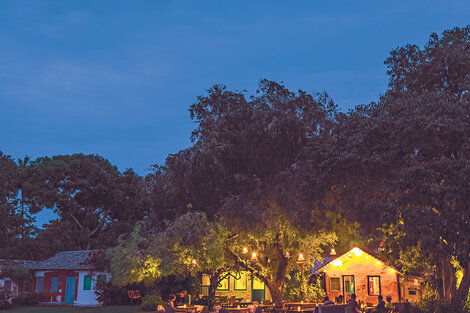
392,270
245,250
333,251
337,262
194,262
357,252
298,308
378,262
302,302
287,254
184,305
238,306
367,257
301,258
254,257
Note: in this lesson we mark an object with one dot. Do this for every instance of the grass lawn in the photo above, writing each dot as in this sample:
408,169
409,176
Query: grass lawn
69,309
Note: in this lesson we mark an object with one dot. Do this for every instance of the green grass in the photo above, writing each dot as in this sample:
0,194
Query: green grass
69,309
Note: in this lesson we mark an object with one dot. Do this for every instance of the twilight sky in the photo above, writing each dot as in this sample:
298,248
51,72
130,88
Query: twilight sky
116,78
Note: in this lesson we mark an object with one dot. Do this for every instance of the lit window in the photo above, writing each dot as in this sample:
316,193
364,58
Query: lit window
40,284
54,284
223,285
240,283
373,285
335,284
87,282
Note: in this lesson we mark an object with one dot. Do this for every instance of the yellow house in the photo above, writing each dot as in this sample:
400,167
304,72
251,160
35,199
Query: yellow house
368,277
242,286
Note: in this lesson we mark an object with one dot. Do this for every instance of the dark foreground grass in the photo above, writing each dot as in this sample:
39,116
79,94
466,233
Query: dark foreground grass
70,309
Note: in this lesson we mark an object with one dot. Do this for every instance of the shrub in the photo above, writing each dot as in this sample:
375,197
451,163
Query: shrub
151,301
110,294
5,299
27,298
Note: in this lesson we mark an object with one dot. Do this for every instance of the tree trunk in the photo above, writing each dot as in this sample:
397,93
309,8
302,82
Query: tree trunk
462,292
448,279
214,282
275,289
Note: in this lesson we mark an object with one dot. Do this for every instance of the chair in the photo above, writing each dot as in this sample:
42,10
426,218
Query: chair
232,301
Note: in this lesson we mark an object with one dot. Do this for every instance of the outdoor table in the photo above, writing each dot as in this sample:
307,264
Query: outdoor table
185,309
238,310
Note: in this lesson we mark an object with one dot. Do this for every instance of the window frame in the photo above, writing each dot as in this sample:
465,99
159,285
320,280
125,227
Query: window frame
235,282
228,284
339,284
87,282
368,285
52,284
40,286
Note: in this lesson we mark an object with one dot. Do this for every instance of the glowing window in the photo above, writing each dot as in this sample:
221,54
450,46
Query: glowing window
373,285
223,285
335,284
240,283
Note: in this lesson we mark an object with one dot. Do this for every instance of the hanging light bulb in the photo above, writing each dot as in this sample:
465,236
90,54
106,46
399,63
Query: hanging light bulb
194,262
287,254
254,258
245,250
333,251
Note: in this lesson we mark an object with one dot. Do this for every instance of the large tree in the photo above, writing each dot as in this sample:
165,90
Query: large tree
240,171
95,202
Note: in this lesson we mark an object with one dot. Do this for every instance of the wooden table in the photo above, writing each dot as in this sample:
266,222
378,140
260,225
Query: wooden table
185,309
238,310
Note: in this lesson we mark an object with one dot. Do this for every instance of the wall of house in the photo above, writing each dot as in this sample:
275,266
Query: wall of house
361,266
246,295
411,288
48,296
88,297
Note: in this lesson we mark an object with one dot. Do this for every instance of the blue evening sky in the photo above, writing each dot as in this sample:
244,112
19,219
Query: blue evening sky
116,78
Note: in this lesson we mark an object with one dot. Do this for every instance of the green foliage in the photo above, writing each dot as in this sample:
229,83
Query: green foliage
431,304
110,294
296,290
27,298
151,301
18,274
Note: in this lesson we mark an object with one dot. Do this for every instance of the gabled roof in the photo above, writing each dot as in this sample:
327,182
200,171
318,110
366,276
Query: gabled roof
67,260
318,265
344,257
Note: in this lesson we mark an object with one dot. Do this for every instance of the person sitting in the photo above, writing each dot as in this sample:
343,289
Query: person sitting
327,301
186,297
179,299
353,305
170,304
381,305
389,305
340,299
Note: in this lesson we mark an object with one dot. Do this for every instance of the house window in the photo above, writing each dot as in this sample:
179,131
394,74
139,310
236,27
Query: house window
87,282
205,285
240,282
335,285
54,284
373,285
39,284
101,277
223,285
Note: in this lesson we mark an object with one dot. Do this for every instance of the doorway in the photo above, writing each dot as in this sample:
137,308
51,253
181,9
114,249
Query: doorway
70,290
349,287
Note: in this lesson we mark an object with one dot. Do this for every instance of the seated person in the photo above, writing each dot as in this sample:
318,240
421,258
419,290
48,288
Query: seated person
186,297
170,304
389,304
340,299
353,305
179,299
381,305
327,301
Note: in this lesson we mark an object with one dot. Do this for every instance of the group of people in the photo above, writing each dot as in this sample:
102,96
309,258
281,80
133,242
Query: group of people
355,306
174,300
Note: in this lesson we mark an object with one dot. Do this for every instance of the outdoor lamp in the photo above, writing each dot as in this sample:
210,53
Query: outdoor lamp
301,259
245,250
253,257
333,251
194,262
287,254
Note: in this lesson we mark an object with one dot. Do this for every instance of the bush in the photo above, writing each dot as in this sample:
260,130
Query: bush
431,304
5,299
151,301
27,298
110,294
